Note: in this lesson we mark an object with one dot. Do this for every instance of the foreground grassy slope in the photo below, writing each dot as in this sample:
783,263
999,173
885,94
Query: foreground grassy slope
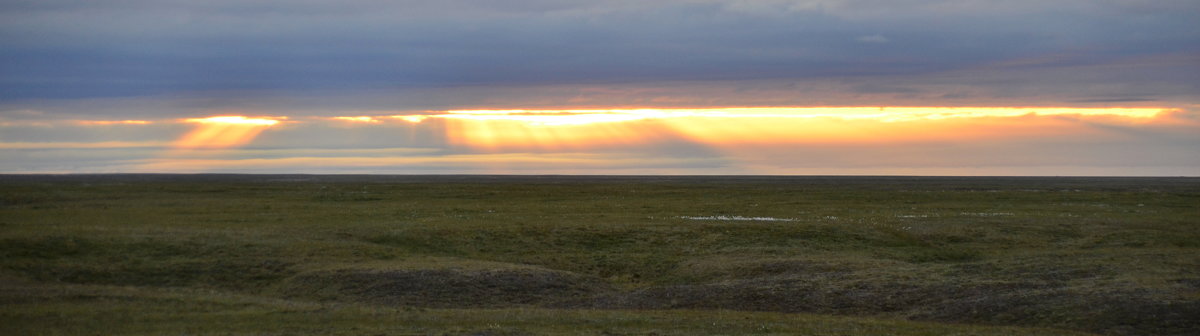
546,254
110,310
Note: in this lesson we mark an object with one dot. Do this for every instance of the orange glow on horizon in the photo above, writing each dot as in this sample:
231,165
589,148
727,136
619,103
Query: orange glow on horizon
223,132
234,120
558,117
884,114
364,119
415,119
576,128
739,139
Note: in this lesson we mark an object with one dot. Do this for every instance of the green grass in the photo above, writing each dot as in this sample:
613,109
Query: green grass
217,254
89,309
350,321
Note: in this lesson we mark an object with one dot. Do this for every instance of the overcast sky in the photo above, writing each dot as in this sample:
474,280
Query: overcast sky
163,61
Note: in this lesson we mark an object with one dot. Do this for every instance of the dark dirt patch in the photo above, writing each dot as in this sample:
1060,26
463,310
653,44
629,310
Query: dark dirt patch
446,287
1000,303
1060,273
1140,316
1193,283
775,294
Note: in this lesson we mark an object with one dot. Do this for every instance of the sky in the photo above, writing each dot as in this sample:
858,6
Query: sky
779,87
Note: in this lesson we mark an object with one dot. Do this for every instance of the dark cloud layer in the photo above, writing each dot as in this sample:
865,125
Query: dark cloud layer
88,49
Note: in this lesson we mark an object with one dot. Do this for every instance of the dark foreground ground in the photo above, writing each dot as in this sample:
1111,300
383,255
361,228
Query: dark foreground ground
518,255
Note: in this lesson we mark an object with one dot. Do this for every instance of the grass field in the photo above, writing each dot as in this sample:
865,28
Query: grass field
509,255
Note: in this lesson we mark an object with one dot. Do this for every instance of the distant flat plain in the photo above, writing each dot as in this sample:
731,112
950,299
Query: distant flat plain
598,255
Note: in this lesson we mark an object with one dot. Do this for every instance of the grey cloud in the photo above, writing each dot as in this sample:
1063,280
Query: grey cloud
93,133
75,49
872,39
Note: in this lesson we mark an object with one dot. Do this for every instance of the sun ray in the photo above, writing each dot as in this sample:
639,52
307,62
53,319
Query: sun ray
223,132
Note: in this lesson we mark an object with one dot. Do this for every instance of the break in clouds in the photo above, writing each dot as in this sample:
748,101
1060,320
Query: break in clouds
878,141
